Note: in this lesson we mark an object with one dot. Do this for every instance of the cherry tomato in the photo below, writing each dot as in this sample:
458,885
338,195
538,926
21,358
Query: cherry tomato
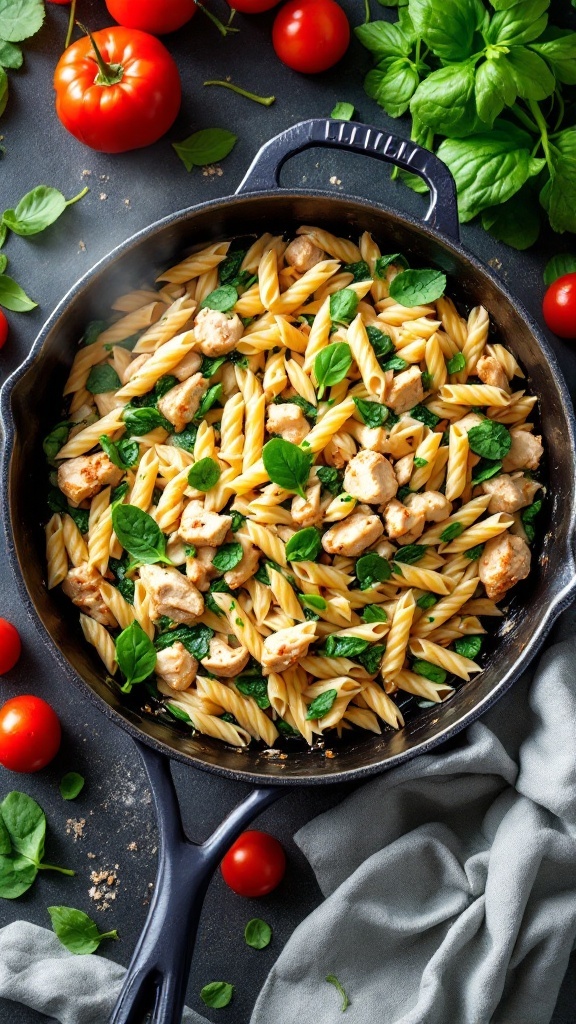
60,2
10,645
253,6
3,329
156,16
311,35
29,734
255,865
131,101
559,306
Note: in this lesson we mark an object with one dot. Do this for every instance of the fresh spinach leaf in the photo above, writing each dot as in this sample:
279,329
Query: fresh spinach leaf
257,933
372,569
144,420
485,469
55,440
425,415
228,556
344,646
186,439
309,410
321,705
287,465
77,931
123,454
410,553
383,262
360,271
490,439
212,396
396,363
217,994
196,639
286,730
528,516
332,364
139,534
135,654
80,516
372,657
343,306
204,474
474,553
217,587
418,287
304,546
373,414
256,687
238,521
468,646
374,613
330,478
71,785
380,342
101,379
223,299
429,671
211,366
427,601
451,531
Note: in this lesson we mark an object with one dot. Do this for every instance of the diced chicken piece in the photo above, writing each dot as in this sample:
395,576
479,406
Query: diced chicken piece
525,452
216,333
492,372
246,567
82,586
134,367
504,561
82,478
200,570
172,594
307,511
434,505
302,254
289,421
223,660
175,549
176,667
337,456
403,469
370,477
509,493
283,649
472,419
406,390
203,528
401,520
384,548
180,404
190,364
352,535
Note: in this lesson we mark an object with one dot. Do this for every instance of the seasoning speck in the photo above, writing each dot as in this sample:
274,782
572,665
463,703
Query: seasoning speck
103,196
212,170
335,181
75,828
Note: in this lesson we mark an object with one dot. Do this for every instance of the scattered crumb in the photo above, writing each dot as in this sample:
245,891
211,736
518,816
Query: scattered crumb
103,196
330,753
82,246
91,856
86,174
495,263
75,828
127,204
104,177
103,890
334,180
212,170
132,846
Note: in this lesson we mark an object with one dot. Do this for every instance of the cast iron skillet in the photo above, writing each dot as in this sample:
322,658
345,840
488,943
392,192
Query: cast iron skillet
30,405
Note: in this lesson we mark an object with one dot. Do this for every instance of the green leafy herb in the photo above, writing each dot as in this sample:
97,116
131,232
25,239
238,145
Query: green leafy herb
124,454
178,713
410,553
217,994
204,474
286,464
196,639
285,729
208,146
330,478
257,933
360,271
383,262
426,379
238,521
331,978
490,439
380,342
101,379
451,531
372,657
80,516
374,613
474,553
10,55
468,646
223,299
559,265
344,646
486,469
229,269
372,569
425,415
55,440
228,556
396,363
143,421
321,705
304,546
528,516
77,931
343,111
135,654
211,366
22,837
71,785
332,363
456,363
343,306
420,463
20,20
38,209
309,410
212,396
12,296
427,601
139,534
186,439
217,587
373,414
256,687
417,287
313,601
429,671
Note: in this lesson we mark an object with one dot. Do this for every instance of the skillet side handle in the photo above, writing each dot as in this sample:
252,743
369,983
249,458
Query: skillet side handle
263,173
156,980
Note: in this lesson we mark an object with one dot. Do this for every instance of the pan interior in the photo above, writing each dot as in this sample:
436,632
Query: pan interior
36,406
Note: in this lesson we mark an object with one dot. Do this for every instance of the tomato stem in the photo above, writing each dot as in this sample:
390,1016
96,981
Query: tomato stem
71,23
108,74
52,867
266,101
223,29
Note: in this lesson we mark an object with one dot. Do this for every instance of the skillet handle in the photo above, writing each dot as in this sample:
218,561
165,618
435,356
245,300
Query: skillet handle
157,977
263,173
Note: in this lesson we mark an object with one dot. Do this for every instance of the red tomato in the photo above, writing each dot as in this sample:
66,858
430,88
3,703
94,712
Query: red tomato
559,306
59,1
252,6
10,645
135,106
255,865
155,16
3,337
311,35
29,734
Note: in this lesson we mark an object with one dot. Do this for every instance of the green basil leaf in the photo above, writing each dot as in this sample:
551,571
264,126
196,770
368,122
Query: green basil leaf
426,379
55,440
392,84
489,439
101,379
558,266
178,713
228,556
427,601
209,399
25,823
343,306
474,553
221,587
517,221
80,516
451,531
528,516
139,534
532,76
521,23
321,705
285,729
223,299
12,296
71,785
20,20
5,841
210,366
330,478
142,421
558,197
256,687
17,874
448,28
381,266
77,931
313,601
343,111
373,414
560,53
196,639
429,671
238,521
331,978
468,646
425,415
186,439
360,271
229,269
494,88
304,546
135,653
257,933
93,331
10,55
35,211
383,39
372,657
380,342
287,465
371,569
396,363
3,263
332,363
456,363
418,287
485,470
374,613
127,588
208,146
204,474
410,553
217,994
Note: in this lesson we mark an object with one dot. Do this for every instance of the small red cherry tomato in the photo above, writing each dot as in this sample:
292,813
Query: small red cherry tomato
252,6
255,865
3,330
117,90
559,306
156,16
10,644
311,35
29,734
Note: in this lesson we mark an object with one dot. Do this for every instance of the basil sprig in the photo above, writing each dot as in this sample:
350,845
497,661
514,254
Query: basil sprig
432,672
77,931
287,465
372,569
332,364
139,534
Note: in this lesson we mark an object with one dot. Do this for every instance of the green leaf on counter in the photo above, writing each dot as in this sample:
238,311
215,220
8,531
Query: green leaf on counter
208,146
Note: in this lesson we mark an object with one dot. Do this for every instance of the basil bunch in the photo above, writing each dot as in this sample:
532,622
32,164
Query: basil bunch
22,836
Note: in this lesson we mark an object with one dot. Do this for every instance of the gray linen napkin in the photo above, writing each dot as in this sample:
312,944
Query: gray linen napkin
450,887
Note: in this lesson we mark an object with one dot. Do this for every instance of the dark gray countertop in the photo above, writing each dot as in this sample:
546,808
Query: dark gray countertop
111,826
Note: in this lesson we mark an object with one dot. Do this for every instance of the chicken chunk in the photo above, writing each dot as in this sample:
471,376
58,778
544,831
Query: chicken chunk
401,520
406,390
172,594
504,561
302,254
82,586
199,568
283,649
189,365
216,333
352,535
434,505
180,404
525,452
376,439
492,372
370,477
246,567
223,660
289,421
203,528
176,667
509,493
307,511
472,419
134,367
82,478
403,469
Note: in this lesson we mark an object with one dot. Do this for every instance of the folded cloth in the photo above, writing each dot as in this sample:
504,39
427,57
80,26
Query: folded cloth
450,888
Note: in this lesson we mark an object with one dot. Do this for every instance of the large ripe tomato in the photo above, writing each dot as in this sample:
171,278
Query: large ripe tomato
156,16
29,734
10,645
311,35
130,102
559,306
255,865
3,329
